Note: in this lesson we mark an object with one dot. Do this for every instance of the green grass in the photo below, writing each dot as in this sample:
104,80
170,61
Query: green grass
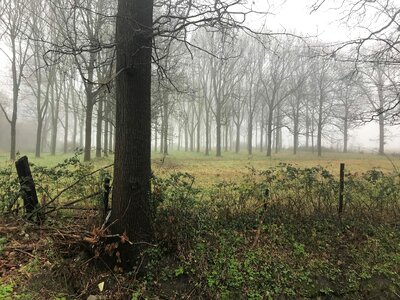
231,166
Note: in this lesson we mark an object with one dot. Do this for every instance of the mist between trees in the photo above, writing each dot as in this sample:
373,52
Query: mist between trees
217,85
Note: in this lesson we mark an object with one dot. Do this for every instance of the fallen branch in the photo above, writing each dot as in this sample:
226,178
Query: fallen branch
74,208
24,252
9,229
72,203
66,189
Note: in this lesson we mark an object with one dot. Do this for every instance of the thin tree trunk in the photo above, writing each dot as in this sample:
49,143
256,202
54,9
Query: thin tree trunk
88,128
186,136
345,133
38,137
218,132
99,127
237,146
198,134
66,125
207,123
269,131
381,121
106,116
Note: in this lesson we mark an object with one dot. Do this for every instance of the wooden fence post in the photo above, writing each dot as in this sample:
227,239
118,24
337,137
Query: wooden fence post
106,194
27,186
341,188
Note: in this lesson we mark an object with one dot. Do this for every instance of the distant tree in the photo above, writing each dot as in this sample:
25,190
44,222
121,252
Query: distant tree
374,39
296,103
275,73
322,84
348,97
251,100
86,34
14,30
224,78
380,89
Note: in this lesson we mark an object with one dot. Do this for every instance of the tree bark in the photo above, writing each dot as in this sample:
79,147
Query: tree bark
218,131
88,128
345,133
131,212
319,132
99,127
106,121
237,146
66,125
381,120
295,134
269,132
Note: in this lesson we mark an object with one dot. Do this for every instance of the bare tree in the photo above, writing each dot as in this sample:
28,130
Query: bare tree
348,95
275,71
375,40
322,82
15,32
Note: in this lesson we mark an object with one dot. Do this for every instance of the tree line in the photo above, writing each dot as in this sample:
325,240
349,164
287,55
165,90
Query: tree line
212,89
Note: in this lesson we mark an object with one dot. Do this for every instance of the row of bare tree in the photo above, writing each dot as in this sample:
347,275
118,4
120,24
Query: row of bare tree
257,88
229,85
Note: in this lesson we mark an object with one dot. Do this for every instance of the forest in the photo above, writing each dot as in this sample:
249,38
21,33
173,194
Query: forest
179,149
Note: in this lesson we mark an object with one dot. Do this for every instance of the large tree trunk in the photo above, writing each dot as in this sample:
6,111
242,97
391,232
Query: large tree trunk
131,212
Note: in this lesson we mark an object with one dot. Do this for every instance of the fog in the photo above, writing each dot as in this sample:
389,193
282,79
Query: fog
294,77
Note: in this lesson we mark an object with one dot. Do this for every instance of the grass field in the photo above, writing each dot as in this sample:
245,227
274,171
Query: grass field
231,166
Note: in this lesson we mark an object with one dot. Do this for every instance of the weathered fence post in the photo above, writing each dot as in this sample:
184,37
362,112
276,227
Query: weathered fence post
341,188
27,186
106,194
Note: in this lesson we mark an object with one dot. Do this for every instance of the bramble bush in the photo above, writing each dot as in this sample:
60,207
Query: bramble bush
50,181
274,234
277,234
